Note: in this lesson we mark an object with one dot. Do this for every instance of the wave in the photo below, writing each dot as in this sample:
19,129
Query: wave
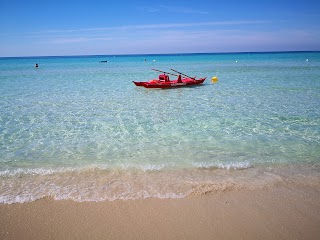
19,172
94,183
226,166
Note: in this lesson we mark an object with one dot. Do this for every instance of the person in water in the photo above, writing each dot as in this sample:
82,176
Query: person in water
37,65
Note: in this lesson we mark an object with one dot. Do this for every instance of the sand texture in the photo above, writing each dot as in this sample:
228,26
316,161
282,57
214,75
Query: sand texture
284,211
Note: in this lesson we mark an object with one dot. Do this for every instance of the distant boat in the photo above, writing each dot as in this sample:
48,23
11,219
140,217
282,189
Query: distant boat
164,81
103,61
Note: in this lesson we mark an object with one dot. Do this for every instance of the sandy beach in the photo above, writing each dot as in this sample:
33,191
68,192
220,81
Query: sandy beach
282,211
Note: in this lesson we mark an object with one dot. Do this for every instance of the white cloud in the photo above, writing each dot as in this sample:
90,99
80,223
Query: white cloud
67,40
209,36
155,26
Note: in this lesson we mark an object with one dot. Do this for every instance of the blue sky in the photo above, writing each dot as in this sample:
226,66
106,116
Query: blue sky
46,28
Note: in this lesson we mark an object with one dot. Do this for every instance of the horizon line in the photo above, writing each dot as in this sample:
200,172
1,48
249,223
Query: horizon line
154,54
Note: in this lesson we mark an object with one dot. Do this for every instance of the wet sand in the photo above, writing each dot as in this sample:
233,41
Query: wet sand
285,211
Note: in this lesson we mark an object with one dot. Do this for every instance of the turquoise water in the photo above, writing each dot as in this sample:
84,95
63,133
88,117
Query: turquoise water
76,128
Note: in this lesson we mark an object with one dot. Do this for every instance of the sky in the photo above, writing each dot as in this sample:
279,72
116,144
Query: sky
107,27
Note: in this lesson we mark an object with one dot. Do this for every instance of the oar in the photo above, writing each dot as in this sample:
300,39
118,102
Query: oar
182,74
164,72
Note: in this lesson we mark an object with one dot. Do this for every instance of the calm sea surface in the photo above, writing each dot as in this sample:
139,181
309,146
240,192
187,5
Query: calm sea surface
77,128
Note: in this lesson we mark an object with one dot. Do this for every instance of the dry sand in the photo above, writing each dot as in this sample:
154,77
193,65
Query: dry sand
285,211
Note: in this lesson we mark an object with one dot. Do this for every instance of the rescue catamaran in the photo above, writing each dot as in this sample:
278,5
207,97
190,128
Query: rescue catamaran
164,81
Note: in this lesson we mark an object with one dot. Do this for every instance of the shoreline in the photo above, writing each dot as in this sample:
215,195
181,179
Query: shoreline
283,211
95,184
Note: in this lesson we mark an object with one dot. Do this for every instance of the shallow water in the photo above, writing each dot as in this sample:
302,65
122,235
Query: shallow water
77,128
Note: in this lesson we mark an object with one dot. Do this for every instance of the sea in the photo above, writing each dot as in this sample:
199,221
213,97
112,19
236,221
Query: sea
77,128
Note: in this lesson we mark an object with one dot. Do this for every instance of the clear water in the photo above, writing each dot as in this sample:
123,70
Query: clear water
76,128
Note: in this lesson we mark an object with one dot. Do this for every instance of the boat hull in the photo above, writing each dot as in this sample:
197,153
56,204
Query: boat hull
170,84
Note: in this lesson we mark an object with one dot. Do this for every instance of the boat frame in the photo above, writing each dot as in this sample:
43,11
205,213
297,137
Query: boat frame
164,81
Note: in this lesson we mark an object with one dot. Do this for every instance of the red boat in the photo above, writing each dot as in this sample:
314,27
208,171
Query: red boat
164,81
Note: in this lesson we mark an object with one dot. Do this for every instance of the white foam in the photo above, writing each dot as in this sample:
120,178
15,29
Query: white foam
33,171
24,198
235,166
95,184
227,166
49,171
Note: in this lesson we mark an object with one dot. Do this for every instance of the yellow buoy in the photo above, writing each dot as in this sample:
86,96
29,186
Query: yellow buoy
214,79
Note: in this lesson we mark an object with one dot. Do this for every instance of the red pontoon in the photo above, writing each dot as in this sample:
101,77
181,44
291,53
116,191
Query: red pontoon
164,81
